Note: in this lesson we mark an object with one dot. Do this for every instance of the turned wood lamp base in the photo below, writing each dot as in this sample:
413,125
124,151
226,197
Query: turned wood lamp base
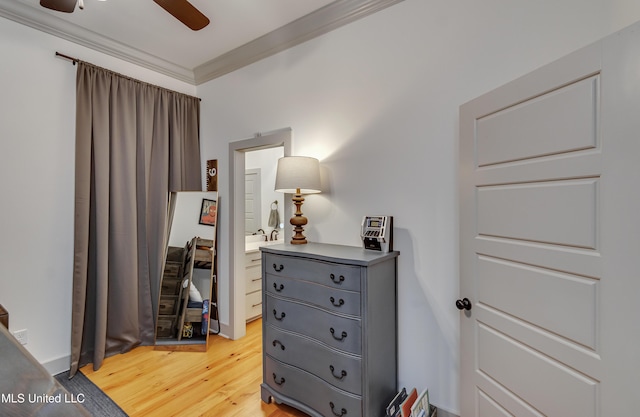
298,221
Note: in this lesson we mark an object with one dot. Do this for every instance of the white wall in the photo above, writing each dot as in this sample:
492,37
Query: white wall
377,102
37,142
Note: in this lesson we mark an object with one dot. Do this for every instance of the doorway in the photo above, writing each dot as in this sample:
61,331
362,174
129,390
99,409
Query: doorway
237,160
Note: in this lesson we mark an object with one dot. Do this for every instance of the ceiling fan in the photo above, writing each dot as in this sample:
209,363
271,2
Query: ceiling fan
180,9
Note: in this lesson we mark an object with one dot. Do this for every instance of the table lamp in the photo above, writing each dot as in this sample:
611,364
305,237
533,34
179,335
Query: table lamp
298,175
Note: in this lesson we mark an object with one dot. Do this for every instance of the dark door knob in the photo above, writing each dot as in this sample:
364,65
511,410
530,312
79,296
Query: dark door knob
463,304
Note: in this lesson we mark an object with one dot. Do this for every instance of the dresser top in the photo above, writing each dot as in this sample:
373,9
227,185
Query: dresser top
333,253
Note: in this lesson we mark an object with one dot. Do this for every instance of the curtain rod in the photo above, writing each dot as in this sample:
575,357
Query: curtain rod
74,61
70,58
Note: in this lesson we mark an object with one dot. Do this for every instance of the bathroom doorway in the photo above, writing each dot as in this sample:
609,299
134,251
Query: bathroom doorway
238,152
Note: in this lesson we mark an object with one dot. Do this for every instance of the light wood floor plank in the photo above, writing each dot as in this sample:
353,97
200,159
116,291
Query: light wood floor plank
222,382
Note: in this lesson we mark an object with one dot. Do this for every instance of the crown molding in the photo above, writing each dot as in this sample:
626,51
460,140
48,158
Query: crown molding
319,22
45,22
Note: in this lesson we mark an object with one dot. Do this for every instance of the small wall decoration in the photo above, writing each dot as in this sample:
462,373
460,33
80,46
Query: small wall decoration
212,175
208,212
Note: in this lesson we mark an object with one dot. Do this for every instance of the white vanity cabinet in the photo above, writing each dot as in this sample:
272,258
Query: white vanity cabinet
329,329
253,284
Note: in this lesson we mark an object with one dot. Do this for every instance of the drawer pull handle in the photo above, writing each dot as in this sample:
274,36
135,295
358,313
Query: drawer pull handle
338,304
278,288
277,342
275,314
343,335
342,412
256,279
341,376
256,305
275,379
337,280
278,268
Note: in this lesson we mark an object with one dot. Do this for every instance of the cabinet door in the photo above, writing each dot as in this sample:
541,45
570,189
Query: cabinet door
253,272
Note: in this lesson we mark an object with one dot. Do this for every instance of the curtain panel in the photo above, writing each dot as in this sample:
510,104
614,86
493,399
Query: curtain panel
135,143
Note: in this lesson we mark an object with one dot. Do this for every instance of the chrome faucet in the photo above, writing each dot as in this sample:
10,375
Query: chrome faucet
272,232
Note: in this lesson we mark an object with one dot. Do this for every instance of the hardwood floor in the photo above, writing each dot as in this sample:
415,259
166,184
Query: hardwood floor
223,382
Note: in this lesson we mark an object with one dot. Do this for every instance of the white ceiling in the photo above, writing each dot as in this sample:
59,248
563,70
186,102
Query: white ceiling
240,32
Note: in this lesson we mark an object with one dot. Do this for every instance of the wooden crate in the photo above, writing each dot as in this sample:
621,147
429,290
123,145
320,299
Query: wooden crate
170,286
175,254
193,315
172,269
165,327
167,304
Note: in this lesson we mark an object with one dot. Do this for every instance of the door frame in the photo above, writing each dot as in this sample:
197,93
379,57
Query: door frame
282,137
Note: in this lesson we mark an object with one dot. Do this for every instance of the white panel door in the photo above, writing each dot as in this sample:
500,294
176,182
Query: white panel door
252,201
550,239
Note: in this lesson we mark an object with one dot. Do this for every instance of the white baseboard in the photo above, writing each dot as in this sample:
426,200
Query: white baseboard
62,364
444,413
56,366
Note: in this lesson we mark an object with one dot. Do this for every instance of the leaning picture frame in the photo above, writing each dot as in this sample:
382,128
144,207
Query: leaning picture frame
208,212
421,403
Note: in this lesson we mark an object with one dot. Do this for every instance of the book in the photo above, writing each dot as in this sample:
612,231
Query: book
405,407
393,409
421,403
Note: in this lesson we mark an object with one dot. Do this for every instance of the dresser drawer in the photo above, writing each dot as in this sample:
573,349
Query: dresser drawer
335,275
339,369
295,383
336,331
345,302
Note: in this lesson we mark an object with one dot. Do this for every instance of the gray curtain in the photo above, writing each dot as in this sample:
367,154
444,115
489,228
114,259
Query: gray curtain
135,143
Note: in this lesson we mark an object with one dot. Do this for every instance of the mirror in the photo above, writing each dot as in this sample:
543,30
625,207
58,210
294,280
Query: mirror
187,301
263,205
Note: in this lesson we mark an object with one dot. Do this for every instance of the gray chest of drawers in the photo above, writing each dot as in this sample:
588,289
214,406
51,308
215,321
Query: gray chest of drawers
329,329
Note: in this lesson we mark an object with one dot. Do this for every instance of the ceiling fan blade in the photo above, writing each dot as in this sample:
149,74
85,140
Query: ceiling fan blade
66,6
185,12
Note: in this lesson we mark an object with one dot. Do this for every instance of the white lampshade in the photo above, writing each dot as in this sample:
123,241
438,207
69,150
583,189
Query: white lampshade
298,172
